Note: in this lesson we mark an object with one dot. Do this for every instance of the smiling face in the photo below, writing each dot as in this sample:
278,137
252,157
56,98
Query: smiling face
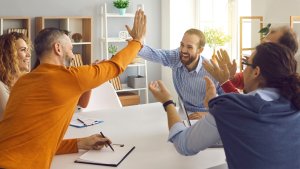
190,51
24,54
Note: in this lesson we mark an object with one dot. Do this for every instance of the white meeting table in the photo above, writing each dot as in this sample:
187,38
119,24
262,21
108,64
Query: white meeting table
145,127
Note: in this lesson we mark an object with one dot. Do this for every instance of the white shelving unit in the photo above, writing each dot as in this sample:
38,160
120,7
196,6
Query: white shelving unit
140,67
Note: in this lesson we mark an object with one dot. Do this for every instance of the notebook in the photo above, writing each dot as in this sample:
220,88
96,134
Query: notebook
189,122
106,156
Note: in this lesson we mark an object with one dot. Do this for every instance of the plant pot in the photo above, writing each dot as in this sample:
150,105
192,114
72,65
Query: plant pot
122,11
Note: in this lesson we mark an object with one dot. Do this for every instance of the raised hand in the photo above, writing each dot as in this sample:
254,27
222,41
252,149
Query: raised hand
210,91
221,75
159,91
223,58
138,30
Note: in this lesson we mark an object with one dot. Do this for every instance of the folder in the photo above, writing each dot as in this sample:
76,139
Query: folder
106,156
82,121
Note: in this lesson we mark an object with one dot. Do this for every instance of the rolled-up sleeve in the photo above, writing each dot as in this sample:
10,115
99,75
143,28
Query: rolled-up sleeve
191,140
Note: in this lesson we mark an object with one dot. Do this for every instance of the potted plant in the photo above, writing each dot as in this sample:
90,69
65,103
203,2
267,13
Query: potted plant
112,49
215,38
77,37
121,5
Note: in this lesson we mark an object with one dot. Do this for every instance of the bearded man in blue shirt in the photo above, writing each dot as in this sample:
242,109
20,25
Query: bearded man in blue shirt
187,70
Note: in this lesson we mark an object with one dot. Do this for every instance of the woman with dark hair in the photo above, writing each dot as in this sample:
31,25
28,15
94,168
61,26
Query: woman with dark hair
259,129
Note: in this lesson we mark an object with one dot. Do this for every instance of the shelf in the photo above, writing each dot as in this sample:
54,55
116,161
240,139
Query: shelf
136,64
17,23
116,39
73,24
109,37
126,88
116,15
81,43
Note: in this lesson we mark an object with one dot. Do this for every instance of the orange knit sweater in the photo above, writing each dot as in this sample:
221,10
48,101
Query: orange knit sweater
41,105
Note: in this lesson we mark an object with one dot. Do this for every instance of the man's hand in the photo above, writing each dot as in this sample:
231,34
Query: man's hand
197,115
95,142
220,68
210,91
139,26
159,91
216,72
223,58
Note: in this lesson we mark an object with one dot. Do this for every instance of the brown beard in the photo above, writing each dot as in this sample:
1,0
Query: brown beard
188,62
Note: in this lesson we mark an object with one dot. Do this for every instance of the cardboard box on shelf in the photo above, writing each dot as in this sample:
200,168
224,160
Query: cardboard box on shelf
136,81
129,98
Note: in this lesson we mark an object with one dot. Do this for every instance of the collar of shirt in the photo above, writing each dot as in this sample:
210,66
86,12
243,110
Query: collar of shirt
267,94
199,66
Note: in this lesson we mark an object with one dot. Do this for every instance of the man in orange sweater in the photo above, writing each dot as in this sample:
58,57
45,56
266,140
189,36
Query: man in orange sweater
42,102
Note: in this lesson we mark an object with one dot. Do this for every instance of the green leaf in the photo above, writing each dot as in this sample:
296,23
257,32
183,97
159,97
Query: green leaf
215,37
121,3
112,49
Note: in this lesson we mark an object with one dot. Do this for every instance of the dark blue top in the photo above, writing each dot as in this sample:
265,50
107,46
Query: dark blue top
258,134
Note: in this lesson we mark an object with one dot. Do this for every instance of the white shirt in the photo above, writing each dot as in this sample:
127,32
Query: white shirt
4,94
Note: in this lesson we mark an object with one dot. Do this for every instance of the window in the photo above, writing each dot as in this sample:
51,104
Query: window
224,16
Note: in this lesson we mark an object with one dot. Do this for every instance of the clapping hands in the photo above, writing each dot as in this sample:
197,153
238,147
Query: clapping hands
223,69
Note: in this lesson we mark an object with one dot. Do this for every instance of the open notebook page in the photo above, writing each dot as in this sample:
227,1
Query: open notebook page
106,156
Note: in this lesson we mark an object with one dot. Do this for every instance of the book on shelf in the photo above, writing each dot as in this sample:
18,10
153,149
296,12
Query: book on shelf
116,83
18,30
77,60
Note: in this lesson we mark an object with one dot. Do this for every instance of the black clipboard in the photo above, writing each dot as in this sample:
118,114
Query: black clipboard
115,164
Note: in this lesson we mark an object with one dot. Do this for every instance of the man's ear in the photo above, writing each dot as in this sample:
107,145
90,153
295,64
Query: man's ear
57,48
256,72
200,50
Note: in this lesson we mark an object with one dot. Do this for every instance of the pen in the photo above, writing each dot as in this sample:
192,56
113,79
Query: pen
121,145
81,121
107,142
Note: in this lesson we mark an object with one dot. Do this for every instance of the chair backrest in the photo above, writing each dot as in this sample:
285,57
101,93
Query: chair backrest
103,97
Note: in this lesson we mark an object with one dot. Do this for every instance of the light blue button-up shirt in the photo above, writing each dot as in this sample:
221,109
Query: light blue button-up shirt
190,86
204,133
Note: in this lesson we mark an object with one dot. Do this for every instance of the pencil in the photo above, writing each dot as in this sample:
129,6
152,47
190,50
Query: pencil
107,141
81,121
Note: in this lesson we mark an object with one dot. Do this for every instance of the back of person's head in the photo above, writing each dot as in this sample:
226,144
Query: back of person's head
200,35
278,68
44,41
9,62
289,39
46,38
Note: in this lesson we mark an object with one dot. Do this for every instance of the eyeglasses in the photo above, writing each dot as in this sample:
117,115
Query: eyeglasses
248,64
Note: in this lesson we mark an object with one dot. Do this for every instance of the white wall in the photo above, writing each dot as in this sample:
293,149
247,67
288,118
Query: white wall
34,8
278,13
177,17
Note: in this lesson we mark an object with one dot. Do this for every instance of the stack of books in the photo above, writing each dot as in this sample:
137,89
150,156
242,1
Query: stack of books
18,30
77,61
116,83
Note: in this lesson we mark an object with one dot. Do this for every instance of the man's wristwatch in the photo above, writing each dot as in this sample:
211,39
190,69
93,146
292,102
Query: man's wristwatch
165,104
